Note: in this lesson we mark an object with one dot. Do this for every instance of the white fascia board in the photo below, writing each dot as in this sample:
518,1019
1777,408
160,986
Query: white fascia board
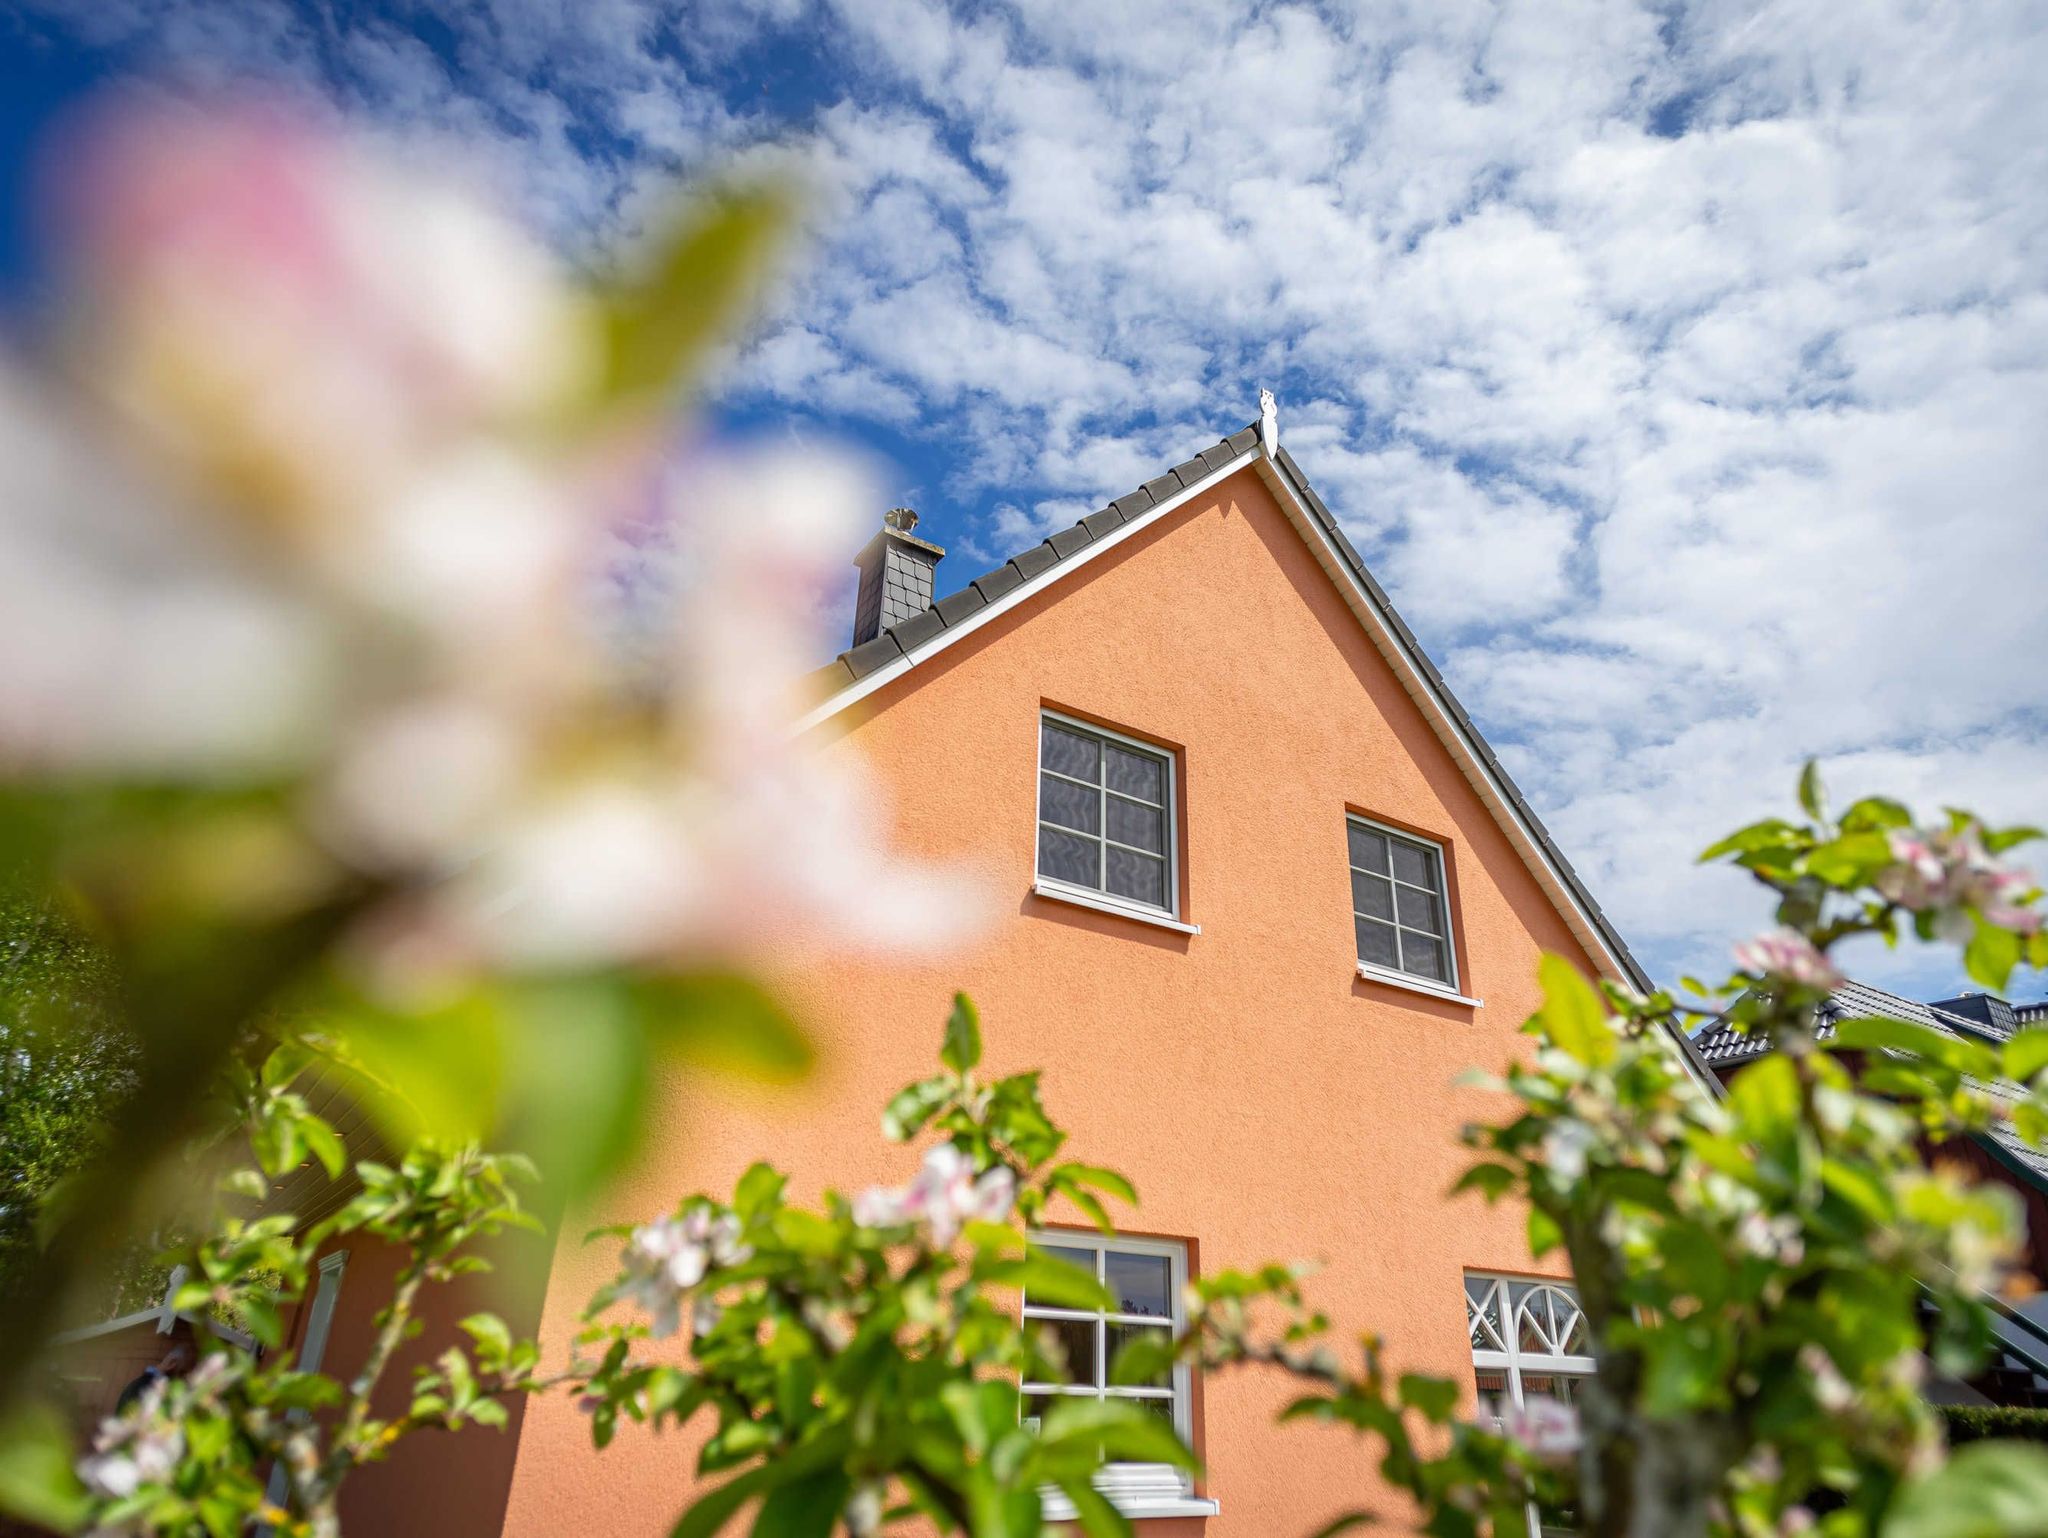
883,676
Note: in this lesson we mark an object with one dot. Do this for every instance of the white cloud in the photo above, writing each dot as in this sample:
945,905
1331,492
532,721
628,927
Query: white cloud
1683,370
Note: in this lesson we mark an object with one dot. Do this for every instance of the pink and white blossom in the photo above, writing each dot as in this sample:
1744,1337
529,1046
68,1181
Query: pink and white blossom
1949,873
310,492
664,1262
945,1196
1831,1390
138,1447
1545,1426
1789,955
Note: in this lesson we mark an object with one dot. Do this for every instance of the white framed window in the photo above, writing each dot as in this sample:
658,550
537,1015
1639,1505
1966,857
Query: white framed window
1401,905
1528,1341
1106,827
1148,1279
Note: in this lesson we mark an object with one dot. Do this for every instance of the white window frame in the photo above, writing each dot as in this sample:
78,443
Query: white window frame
1448,988
1101,897
312,1349
1136,1489
1516,1360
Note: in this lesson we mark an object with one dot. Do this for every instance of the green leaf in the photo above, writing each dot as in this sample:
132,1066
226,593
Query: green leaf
1436,1398
701,277
1070,1175
1765,1097
1876,814
962,1048
1810,791
808,1508
2026,1054
1125,1432
1493,1181
1771,833
489,1332
325,1144
1144,1360
1345,1523
1572,1015
1917,1040
1099,1518
1991,955
1987,1490
1544,1234
712,1511
728,1022
759,1189
1049,1280
912,1106
37,1484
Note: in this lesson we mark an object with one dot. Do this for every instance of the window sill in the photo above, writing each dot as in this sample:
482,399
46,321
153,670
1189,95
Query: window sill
1374,974
1058,1508
1081,897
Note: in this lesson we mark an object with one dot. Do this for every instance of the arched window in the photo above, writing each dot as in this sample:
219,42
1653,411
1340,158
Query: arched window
1528,1340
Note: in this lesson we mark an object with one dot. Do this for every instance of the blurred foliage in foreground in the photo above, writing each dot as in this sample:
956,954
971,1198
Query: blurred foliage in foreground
392,672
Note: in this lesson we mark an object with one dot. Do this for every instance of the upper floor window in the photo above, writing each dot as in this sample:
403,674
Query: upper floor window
1528,1341
1148,1280
1400,904
1105,815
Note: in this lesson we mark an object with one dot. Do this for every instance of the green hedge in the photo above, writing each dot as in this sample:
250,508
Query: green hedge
1977,1423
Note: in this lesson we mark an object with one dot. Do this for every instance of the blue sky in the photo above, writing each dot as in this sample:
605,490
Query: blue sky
1681,370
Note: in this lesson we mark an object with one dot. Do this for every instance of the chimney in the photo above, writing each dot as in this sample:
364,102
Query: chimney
896,573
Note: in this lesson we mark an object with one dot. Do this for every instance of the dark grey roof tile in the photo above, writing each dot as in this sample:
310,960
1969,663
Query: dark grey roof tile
1068,540
870,655
959,605
1038,558
918,629
1133,504
833,676
1163,487
1243,440
994,584
1100,523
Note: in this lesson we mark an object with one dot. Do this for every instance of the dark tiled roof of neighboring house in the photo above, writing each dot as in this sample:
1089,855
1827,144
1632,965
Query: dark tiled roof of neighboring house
1043,563
1725,1046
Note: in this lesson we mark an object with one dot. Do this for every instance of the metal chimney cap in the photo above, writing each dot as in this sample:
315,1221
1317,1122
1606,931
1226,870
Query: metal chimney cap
901,519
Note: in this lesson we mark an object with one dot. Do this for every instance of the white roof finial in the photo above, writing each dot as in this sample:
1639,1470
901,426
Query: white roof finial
1269,421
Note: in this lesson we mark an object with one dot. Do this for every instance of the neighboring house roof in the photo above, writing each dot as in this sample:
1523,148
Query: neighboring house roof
1726,1048
866,668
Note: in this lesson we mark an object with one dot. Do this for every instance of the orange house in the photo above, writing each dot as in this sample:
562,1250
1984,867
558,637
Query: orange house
1264,893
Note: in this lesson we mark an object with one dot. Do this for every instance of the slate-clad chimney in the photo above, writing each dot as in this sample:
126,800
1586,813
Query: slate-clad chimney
896,573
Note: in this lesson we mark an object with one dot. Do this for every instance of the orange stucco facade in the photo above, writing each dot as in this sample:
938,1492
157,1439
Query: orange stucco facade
1267,1101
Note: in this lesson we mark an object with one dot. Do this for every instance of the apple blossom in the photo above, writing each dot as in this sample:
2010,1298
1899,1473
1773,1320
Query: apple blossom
665,1260
1545,1426
945,1195
1949,873
138,1447
1788,954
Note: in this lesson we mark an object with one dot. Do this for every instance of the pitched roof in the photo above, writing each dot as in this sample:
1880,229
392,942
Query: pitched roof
866,668
1726,1047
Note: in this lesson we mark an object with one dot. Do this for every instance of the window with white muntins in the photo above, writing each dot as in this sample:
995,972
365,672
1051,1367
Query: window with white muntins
1400,905
1528,1341
1147,1278
1105,816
